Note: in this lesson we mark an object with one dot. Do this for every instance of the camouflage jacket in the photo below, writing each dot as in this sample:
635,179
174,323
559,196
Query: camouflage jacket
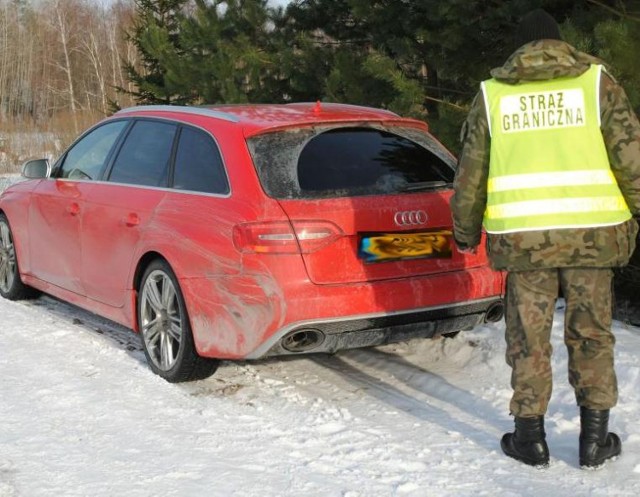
609,246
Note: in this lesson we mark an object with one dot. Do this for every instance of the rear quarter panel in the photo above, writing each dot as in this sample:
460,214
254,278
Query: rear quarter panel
230,303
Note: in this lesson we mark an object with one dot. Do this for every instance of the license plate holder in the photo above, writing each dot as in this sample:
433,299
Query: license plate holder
388,247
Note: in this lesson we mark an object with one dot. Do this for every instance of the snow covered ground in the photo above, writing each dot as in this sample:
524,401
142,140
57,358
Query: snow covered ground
82,415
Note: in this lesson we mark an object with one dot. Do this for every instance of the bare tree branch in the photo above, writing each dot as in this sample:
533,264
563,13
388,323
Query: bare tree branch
622,12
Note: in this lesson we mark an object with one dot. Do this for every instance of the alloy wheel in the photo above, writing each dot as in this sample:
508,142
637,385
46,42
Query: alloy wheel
7,258
161,320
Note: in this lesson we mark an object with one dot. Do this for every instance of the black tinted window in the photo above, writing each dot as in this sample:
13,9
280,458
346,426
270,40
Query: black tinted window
199,164
87,157
145,155
340,162
353,159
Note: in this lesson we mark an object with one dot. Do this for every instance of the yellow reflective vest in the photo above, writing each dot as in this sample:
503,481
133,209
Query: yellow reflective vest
549,166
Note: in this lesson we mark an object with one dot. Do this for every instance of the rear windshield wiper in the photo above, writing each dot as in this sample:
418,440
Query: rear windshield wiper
425,185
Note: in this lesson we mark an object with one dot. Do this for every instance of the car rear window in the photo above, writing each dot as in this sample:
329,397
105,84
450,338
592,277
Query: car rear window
349,161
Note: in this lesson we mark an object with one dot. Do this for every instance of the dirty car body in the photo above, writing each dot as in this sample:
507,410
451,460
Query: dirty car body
242,232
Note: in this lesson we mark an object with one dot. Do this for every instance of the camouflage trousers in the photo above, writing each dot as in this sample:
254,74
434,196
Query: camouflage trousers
530,306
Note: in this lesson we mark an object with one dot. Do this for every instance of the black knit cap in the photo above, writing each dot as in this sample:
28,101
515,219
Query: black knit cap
537,25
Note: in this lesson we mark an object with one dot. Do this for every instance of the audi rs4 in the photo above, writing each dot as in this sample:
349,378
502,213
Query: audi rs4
243,232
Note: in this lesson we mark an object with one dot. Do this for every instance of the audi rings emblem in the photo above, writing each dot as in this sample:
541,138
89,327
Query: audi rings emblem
410,218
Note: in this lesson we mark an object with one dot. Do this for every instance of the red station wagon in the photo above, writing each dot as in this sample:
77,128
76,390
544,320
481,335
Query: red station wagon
243,232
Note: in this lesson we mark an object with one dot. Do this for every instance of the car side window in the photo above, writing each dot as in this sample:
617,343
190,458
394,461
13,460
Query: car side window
86,158
198,164
145,155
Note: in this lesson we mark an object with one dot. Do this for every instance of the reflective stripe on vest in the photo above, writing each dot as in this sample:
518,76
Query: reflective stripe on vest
549,166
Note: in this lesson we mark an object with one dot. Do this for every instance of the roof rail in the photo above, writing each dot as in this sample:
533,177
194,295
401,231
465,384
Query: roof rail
199,111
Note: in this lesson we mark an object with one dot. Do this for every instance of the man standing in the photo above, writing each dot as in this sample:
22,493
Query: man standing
551,167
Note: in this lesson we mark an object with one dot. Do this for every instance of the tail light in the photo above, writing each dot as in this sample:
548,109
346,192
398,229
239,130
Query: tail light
282,237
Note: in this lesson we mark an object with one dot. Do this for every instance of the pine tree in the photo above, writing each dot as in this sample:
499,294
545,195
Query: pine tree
426,58
423,59
412,58
619,44
155,33
611,31
226,54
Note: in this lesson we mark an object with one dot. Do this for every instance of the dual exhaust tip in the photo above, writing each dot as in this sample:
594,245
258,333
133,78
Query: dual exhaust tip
303,340
308,339
494,313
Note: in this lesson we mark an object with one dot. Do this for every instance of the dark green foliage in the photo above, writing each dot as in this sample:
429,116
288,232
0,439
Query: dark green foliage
422,58
155,34
617,42
226,53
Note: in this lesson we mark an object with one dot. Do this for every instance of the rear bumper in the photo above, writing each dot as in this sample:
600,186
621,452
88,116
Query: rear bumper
248,316
372,330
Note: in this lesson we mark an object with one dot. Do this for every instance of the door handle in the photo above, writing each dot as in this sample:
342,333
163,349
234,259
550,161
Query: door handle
73,209
131,220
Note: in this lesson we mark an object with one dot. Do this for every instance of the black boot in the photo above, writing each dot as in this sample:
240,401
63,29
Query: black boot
527,444
597,444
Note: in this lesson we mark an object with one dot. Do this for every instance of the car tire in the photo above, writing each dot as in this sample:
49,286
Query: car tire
165,331
11,286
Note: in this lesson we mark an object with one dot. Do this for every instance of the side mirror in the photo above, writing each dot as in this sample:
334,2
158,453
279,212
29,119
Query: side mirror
36,169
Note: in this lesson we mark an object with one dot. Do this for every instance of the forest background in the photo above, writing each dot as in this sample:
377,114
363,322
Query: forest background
65,64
